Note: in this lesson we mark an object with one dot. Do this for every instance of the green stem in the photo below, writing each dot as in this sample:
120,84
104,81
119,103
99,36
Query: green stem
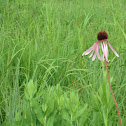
112,92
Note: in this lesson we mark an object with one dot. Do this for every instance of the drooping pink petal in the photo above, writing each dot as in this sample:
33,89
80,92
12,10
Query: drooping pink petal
102,46
97,49
105,50
113,50
94,56
96,52
92,53
90,49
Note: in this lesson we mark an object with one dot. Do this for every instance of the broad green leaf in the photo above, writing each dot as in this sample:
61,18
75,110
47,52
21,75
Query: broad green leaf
79,113
27,113
97,119
60,103
50,120
26,94
31,89
37,110
44,107
94,101
65,115
105,114
58,90
39,93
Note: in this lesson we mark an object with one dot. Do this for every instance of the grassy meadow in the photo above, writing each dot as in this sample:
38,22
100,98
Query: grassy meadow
44,80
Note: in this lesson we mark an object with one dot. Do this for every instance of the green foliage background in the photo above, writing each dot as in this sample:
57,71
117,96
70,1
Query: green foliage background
44,80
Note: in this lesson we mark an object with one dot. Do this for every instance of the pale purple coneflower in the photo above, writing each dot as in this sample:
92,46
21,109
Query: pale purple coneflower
102,40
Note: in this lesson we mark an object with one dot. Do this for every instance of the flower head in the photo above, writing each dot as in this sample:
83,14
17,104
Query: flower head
102,35
102,40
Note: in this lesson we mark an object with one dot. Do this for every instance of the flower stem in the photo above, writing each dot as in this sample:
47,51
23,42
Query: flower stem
112,92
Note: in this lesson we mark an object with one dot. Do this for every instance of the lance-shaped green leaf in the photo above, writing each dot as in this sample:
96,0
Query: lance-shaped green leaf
31,89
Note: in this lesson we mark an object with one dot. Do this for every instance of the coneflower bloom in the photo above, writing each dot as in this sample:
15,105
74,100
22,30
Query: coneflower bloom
102,40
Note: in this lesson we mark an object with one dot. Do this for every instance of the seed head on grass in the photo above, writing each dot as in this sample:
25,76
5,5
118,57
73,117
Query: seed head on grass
102,40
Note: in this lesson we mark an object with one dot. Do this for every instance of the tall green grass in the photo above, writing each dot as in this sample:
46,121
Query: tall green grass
44,79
